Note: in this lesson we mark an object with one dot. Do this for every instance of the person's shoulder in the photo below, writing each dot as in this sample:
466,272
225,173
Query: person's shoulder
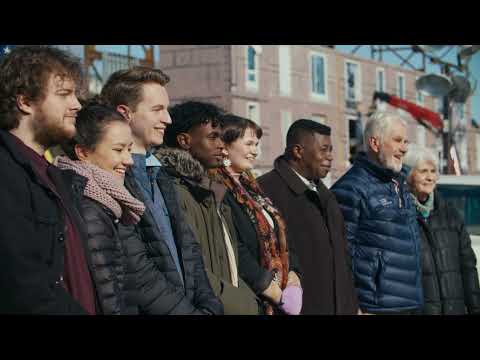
93,210
355,178
268,177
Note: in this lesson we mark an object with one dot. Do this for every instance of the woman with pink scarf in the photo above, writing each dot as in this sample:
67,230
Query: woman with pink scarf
100,153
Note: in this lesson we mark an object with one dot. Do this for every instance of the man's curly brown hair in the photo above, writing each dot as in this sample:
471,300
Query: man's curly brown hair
26,71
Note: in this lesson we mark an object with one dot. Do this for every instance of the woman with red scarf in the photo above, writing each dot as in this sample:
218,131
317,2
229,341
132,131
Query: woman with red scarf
266,263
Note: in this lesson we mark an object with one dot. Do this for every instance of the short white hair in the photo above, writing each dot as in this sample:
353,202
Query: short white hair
378,125
417,154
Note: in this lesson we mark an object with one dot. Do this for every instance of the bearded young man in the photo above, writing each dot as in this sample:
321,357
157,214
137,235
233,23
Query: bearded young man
380,217
44,267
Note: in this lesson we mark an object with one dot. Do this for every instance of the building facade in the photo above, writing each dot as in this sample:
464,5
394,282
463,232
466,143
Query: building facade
276,84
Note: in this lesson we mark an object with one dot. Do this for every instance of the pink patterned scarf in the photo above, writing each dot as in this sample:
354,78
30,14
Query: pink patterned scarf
105,189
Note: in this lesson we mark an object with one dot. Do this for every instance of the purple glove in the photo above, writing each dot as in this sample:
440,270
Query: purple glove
291,301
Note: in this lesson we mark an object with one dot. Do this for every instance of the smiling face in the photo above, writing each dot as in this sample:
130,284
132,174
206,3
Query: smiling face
390,151
423,179
151,117
243,152
318,156
55,114
113,152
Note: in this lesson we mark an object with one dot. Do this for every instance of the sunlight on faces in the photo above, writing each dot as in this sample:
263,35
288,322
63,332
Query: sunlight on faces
243,152
151,116
55,114
206,145
423,178
393,147
317,156
113,152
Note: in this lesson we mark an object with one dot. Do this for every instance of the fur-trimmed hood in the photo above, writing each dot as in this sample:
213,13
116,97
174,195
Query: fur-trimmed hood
183,165
182,162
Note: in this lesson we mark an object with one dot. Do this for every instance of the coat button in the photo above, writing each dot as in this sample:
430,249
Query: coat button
61,237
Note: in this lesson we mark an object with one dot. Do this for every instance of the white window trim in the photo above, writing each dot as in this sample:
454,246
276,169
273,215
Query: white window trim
252,85
289,71
284,127
358,88
314,96
421,131
397,90
319,118
416,95
384,84
257,105
257,121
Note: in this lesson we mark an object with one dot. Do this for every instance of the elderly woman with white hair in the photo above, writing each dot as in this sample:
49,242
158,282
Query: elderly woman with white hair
449,274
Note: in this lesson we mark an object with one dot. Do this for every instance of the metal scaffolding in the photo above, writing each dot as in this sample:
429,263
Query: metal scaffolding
100,65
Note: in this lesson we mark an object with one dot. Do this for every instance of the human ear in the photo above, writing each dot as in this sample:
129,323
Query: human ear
82,153
184,140
374,144
24,104
125,111
297,152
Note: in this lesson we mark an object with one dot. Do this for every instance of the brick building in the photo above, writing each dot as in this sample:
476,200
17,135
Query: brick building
276,84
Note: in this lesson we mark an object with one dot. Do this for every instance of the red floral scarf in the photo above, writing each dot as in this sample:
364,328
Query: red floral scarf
273,245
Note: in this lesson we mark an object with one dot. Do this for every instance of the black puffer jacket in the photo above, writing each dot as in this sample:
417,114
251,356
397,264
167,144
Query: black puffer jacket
108,259
450,278
160,289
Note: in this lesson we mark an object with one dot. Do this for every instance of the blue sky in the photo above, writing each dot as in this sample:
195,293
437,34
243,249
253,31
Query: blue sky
364,51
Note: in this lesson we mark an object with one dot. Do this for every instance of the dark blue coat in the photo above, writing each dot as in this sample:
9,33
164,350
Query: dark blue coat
383,237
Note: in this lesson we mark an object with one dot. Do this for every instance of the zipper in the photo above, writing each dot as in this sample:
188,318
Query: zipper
396,186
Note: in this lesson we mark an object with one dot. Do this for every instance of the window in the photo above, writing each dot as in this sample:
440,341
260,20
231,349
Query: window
419,97
252,67
285,122
284,64
253,112
355,133
381,84
401,86
318,63
352,81
322,119
421,135
463,150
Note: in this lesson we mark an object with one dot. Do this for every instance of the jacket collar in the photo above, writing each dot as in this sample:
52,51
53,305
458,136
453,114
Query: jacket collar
180,164
296,184
70,177
385,175
289,176
10,145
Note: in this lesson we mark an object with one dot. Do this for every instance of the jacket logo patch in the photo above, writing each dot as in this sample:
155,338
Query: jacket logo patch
386,202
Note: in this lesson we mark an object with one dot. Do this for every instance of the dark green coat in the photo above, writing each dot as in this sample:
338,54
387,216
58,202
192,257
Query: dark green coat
200,197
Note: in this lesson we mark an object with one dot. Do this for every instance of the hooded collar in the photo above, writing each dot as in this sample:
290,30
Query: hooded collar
181,164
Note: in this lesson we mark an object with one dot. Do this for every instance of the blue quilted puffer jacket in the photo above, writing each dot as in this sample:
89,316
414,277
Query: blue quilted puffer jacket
383,237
